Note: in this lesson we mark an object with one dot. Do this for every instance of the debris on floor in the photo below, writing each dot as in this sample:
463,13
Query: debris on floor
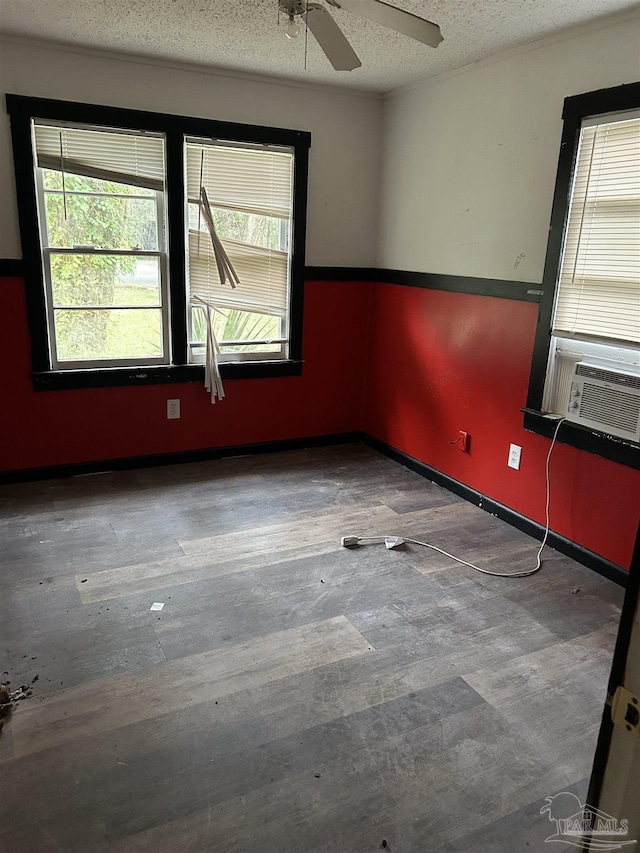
5,703
575,590
23,692
9,697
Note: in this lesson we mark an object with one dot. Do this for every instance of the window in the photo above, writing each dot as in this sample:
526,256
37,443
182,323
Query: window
147,235
597,304
100,196
591,303
248,193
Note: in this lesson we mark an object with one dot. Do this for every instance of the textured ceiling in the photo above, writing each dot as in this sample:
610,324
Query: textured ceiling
243,35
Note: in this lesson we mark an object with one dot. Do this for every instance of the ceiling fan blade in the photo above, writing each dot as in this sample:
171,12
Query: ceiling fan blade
396,19
331,38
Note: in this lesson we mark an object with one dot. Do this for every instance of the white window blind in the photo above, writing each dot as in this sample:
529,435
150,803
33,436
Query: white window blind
262,275
126,157
598,292
254,180
246,180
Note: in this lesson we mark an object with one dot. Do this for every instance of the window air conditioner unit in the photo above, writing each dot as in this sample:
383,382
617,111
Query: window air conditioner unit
606,399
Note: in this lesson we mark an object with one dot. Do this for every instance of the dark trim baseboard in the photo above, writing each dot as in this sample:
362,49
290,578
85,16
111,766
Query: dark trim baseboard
11,267
565,546
520,290
126,463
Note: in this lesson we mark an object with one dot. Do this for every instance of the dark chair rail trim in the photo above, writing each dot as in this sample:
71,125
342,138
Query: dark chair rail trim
500,288
11,268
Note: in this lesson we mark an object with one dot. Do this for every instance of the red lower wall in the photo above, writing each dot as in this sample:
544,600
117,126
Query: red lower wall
57,427
431,362
442,362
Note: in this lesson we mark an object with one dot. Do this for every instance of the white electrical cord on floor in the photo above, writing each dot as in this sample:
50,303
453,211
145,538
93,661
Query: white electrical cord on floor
394,541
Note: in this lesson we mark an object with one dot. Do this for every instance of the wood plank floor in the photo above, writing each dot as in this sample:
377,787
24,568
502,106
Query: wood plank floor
292,696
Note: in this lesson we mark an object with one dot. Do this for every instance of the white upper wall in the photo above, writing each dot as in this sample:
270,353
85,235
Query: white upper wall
470,158
345,127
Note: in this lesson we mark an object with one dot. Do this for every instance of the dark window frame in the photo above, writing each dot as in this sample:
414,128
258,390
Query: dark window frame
22,110
576,109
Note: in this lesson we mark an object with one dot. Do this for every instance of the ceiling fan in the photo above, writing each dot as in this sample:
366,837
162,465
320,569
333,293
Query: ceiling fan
332,40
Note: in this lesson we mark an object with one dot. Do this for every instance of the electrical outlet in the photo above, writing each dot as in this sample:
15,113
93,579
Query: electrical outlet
514,456
173,409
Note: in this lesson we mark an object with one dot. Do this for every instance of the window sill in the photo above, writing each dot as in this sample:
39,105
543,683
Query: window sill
64,380
576,435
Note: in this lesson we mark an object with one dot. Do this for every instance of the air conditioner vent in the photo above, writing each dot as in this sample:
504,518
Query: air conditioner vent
590,371
611,407
605,399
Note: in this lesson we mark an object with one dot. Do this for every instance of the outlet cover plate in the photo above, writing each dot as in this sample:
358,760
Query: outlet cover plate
514,456
173,409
